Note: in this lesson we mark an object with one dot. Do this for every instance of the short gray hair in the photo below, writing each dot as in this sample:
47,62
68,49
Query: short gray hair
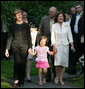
55,9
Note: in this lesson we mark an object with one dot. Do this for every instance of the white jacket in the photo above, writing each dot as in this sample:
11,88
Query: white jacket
61,37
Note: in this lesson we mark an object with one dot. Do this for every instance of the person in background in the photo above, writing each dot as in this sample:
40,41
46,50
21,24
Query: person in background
20,41
72,10
4,35
34,33
61,37
45,30
67,17
77,27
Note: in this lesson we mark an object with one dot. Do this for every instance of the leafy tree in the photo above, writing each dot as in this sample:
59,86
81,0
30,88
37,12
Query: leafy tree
35,9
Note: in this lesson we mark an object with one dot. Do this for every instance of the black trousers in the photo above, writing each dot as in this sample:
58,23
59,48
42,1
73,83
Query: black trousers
74,56
20,55
49,74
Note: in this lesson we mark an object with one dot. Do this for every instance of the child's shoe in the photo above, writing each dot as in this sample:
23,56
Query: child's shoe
44,81
40,83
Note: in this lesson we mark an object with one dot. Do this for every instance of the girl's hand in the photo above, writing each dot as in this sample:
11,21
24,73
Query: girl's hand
7,53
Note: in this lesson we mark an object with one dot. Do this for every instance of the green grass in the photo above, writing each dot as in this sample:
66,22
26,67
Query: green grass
5,85
78,81
7,72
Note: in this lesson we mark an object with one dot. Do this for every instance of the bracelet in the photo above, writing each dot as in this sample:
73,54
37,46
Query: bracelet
51,53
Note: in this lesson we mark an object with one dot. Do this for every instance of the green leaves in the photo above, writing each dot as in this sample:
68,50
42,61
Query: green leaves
35,9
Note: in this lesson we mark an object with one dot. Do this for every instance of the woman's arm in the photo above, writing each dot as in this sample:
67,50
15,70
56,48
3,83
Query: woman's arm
9,41
53,36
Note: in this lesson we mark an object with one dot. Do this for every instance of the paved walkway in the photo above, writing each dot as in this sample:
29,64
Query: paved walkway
34,83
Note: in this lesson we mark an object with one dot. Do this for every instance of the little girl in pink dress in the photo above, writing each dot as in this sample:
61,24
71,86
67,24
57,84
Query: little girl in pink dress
41,59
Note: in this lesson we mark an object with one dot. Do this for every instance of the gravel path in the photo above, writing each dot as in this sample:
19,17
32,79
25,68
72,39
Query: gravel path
34,83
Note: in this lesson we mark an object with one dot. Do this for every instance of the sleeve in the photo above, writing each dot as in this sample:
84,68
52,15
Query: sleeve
47,49
9,39
41,27
29,36
70,37
53,36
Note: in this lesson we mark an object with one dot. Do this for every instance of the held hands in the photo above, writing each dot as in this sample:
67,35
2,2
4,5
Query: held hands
54,48
31,52
7,53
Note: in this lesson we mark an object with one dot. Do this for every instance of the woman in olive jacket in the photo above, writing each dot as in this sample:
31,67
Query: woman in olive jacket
20,40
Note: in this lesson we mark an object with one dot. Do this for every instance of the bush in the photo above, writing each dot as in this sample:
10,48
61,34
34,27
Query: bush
35,9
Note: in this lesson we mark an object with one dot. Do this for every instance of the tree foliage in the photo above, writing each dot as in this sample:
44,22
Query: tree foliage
35,9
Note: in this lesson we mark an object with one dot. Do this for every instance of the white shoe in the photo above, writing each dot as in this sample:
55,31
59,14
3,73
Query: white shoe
16,81
56,81
62,83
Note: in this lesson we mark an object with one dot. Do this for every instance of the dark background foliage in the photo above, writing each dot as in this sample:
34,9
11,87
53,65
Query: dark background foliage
35,9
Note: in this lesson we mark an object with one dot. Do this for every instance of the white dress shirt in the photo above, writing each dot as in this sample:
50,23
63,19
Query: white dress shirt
76,23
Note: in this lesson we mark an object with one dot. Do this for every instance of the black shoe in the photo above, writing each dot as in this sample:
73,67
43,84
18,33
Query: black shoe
48,80
54,75
72,73
29,81
15,84
20,85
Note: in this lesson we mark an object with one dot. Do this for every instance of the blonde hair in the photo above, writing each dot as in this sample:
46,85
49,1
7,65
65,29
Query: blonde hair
17,11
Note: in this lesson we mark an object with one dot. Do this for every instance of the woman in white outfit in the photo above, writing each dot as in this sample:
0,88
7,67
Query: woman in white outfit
61,37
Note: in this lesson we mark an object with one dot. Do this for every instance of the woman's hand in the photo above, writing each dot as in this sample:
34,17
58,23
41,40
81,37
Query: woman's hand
7,53
54,48
29,50
72,48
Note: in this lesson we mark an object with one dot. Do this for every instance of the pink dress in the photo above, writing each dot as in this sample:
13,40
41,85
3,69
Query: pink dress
41,60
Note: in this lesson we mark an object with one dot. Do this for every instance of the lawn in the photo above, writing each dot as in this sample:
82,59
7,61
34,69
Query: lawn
7,72
78,81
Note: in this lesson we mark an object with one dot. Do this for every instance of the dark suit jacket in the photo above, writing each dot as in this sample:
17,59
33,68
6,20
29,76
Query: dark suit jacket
80,24
19,35
45,28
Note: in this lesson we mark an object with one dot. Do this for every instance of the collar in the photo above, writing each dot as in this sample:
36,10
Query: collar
80,13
